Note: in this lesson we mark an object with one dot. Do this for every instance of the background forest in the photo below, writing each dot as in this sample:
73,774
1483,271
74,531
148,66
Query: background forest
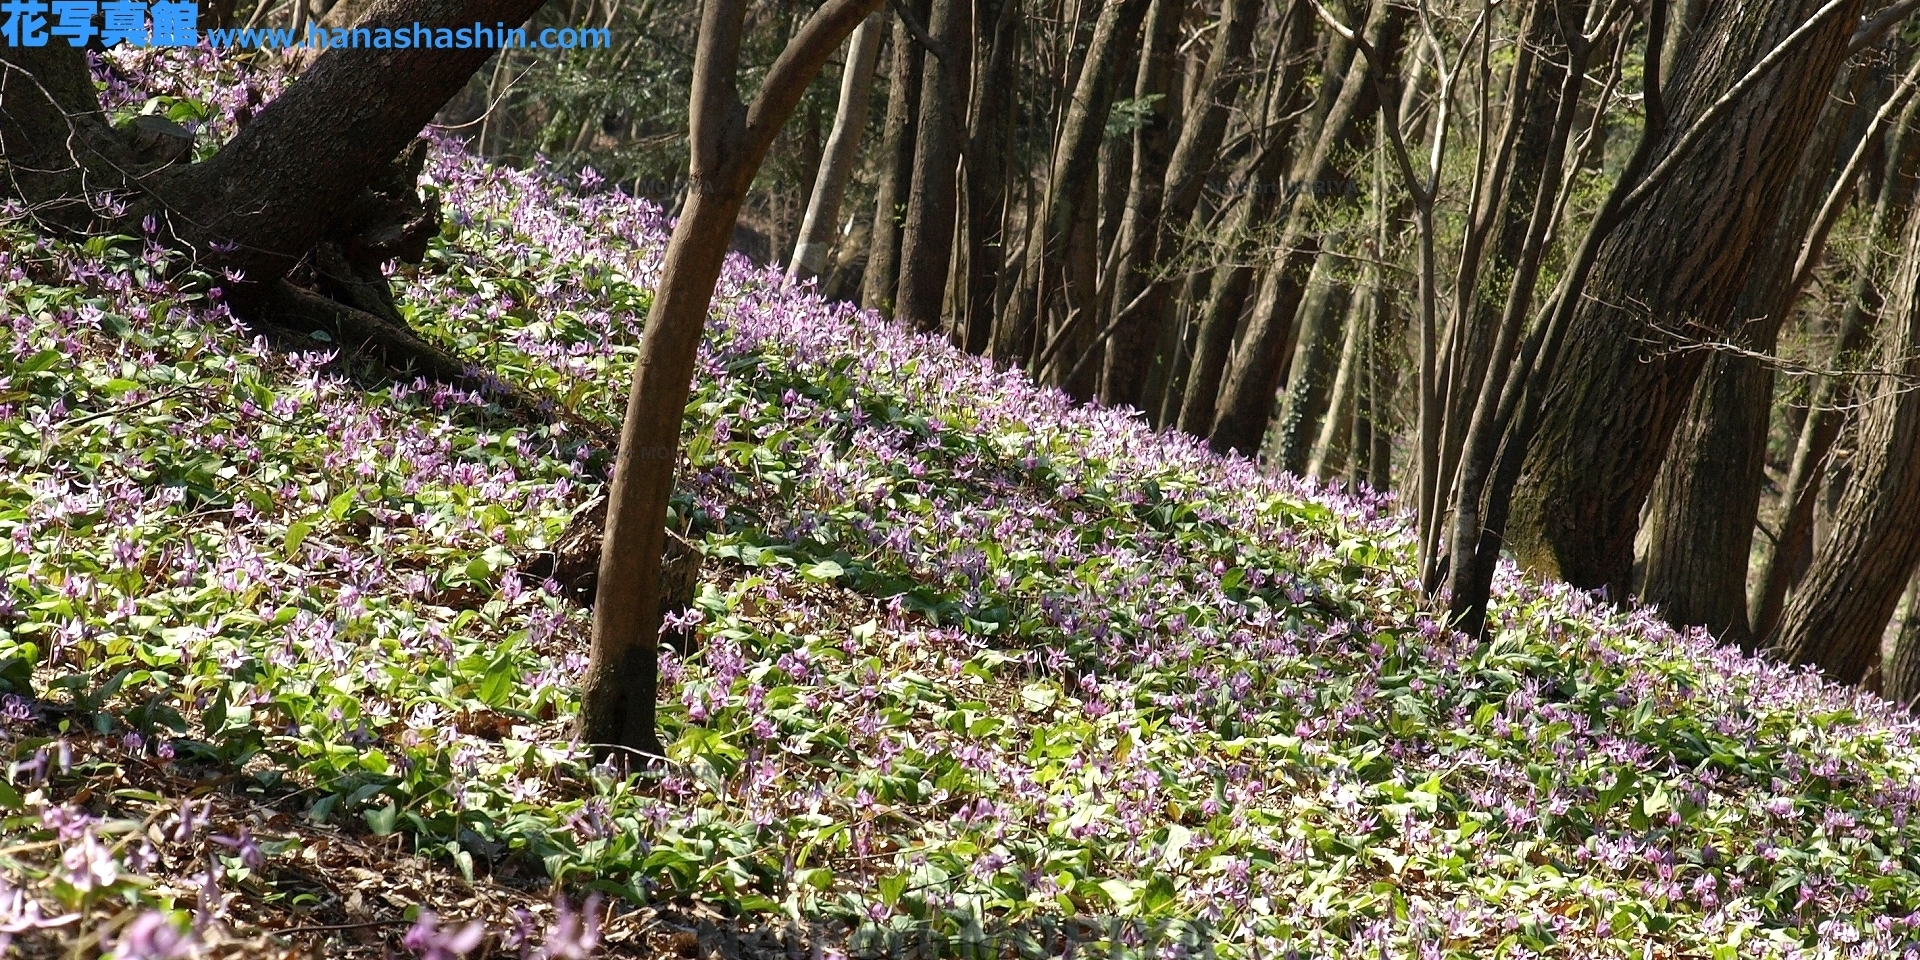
1335,239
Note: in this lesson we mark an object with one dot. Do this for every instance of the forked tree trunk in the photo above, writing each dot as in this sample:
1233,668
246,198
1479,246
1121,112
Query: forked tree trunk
727,141
843,148
1707,495
1615,396
1837,616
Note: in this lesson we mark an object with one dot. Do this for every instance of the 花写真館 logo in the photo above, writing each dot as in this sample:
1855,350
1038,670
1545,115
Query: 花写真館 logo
33,23
176,23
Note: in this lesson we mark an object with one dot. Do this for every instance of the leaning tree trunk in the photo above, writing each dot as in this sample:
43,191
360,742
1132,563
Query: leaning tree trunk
1837,616
926,239
1707,496
1783,566
1076,158
1246,400
1339,96
1527,164
1153,324
843,148
1613,401
727,141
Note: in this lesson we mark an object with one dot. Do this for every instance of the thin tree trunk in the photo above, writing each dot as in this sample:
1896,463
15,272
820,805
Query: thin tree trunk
926,239
1331,448
1533,145
882,279
843,148
1123,377
989,157
1076,158
728,141
1329,300
1247,392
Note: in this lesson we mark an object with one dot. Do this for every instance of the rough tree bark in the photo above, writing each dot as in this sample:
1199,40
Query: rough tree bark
1837,616
1707,495
727,141
1783,566
1615,396
843,148
926,238
1900,676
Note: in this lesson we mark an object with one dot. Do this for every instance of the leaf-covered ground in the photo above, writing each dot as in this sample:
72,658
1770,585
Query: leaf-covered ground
970,665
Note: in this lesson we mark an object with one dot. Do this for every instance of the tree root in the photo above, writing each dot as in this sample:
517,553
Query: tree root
401,350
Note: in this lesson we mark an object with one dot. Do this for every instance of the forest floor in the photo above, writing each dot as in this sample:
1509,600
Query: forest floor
969,666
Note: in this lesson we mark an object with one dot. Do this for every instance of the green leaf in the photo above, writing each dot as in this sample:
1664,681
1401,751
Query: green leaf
382,821
296,535
823,572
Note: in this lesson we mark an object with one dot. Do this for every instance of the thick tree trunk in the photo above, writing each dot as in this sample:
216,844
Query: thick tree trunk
1230,284
843,148
1707,495
277,187
882,279
1613,400
926,239
1837,616
728,141
1900,675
